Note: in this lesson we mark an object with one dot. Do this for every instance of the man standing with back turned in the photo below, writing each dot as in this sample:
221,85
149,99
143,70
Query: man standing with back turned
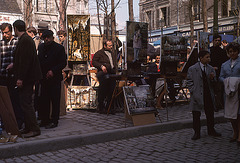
26,71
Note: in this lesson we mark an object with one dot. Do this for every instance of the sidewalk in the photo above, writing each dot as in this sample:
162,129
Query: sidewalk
81,127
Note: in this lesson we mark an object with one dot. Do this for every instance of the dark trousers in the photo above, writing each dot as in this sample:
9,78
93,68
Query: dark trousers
210,120
106,88
50,94
25,96
219,91
14,96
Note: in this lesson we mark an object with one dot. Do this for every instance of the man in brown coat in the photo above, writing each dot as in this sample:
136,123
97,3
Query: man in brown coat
26,71
105,62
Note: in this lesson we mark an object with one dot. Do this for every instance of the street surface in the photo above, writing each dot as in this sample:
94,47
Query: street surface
169,147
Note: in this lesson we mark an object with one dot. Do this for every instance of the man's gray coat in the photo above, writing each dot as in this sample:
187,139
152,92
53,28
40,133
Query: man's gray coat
195,85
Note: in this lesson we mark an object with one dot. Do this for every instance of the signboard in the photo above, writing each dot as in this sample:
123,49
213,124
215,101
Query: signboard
8,18
78,37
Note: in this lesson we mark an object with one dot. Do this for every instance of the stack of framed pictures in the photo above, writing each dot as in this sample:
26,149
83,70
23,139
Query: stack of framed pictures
81,97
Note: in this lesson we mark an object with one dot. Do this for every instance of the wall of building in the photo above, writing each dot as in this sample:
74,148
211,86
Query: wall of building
46,10
176,16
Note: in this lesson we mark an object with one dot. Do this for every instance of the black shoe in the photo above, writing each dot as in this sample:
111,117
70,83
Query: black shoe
42,124
232,140
51,125
24,131
214,134
112,112
238,143
196,136
31,134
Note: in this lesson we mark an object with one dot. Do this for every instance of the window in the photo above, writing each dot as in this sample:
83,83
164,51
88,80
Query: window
224,8
45,6
235,4
197,9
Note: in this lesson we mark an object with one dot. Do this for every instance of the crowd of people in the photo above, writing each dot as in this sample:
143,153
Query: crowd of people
32,59
213,83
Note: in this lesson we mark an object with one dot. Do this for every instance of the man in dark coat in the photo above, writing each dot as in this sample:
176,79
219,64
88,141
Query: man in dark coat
218,57
52,59
26,71
105,62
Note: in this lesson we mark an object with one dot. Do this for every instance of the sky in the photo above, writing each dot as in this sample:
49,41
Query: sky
121,12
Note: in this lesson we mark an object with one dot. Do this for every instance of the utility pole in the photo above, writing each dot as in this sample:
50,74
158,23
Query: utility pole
130,10
215,17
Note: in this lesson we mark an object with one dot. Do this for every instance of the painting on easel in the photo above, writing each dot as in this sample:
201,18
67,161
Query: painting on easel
78,37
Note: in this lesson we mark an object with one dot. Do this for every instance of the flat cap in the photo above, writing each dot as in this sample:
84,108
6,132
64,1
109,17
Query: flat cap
47,33
43,25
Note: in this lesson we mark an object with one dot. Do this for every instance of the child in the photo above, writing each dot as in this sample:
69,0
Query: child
200,79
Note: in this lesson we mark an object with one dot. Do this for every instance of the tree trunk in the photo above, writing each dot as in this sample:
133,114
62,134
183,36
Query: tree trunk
204,15
113,29
98,17
238,24
130,8
28,13
62,14
215,17
191,15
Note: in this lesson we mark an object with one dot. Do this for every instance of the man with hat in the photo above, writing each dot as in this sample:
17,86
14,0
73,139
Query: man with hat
42,26
52,59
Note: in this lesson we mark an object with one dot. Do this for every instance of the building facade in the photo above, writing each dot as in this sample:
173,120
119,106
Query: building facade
9,12
47,11
175,17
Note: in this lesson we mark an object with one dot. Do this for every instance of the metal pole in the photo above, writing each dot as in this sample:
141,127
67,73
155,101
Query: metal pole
161,23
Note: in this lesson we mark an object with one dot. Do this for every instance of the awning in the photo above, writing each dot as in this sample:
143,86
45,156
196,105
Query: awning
156,43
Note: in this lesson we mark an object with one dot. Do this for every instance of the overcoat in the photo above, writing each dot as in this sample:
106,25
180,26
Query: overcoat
100,58
195,86
228,71
26,64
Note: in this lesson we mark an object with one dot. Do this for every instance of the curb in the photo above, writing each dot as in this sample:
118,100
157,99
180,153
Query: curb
53,144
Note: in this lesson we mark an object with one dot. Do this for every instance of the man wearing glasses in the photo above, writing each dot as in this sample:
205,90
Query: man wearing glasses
218,57
7,46
105,62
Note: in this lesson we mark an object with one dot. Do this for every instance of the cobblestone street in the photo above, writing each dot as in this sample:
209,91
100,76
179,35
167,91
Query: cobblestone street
165,147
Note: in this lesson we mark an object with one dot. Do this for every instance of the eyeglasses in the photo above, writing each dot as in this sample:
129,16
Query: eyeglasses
5,32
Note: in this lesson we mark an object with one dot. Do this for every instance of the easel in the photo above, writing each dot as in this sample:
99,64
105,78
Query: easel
114,95
7,113
178,79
